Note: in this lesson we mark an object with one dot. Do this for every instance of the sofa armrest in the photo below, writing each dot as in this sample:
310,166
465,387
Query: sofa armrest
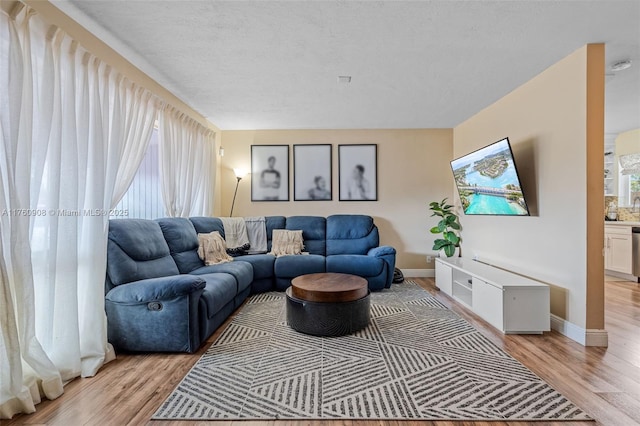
382,251
388,254
155,315
155,289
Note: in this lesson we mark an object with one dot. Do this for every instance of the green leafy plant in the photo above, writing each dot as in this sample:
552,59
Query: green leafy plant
447,226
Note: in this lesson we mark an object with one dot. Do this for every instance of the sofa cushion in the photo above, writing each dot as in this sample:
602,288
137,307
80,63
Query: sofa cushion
293,266
204,225
182,239
273,222
262,264
241,271
137,251
364,266
351,234
219,290
314,232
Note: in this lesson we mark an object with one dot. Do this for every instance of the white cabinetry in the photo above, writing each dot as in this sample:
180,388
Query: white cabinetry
443,277
510,302
462,287
610,174
487,300
618,249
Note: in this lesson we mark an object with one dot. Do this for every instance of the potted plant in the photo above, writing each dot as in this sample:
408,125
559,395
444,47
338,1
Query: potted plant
447,226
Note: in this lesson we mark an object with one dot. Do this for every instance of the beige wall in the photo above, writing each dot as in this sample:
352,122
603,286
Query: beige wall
413,169
546,120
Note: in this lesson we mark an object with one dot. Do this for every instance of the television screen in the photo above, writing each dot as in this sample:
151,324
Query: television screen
488,182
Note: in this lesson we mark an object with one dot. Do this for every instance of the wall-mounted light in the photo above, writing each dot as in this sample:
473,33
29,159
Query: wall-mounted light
240,173
630,164
621,65
221,152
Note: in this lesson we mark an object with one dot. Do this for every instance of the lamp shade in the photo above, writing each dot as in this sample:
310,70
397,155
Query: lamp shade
240,173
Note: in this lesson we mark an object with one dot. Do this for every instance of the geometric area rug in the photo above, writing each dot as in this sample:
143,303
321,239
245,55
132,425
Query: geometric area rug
416,360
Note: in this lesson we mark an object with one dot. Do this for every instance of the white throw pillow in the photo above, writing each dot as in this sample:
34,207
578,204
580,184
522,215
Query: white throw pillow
285,242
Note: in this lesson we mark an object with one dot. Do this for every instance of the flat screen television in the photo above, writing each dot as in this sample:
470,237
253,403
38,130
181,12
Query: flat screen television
488,182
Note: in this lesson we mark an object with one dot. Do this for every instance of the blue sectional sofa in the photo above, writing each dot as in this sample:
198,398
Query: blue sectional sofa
161,297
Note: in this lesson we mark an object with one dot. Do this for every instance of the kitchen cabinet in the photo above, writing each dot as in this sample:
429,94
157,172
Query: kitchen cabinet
618,249
610,174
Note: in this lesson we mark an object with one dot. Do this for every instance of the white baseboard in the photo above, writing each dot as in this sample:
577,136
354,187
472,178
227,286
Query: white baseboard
586,337
418,273
621,275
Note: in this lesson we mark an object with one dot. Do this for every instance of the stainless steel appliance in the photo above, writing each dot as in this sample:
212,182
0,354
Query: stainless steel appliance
635,238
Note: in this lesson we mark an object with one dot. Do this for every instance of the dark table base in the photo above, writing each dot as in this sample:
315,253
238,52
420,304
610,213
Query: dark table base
327,318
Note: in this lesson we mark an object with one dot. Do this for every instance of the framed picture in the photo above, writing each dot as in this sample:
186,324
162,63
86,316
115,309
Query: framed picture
269,172
358,172
312,173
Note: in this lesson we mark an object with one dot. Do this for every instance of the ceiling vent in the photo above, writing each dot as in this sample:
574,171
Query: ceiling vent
344,79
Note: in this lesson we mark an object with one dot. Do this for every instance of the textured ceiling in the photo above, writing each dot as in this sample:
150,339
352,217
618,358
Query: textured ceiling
420,64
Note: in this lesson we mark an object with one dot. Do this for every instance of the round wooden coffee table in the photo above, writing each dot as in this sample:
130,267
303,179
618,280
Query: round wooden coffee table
328,304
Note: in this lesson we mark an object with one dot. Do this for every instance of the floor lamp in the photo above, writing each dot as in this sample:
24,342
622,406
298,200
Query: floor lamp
239,175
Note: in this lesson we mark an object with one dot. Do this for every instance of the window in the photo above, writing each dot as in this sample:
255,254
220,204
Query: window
143,199
628,189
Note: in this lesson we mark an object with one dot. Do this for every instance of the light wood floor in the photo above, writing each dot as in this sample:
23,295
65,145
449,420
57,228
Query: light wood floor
603,381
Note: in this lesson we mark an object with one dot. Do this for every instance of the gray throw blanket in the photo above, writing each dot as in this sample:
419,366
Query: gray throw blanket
235,232
257,233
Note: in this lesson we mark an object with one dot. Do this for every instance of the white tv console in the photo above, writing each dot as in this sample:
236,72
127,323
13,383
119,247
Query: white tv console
510,302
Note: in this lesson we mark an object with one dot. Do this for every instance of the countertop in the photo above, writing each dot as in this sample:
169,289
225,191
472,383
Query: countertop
620,223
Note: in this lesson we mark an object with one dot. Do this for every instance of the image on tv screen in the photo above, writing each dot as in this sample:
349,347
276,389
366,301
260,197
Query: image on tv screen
488,182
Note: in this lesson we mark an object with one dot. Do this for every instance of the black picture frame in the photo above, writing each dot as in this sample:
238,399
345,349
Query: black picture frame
312,172
269,181
358,172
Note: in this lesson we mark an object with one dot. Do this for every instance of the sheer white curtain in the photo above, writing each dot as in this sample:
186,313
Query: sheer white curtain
73,133
18,343
187,165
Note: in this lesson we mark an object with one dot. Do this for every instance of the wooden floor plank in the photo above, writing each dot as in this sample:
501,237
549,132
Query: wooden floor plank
605,382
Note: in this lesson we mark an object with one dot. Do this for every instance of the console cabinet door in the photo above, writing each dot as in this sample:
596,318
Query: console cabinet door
444,277
487,303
